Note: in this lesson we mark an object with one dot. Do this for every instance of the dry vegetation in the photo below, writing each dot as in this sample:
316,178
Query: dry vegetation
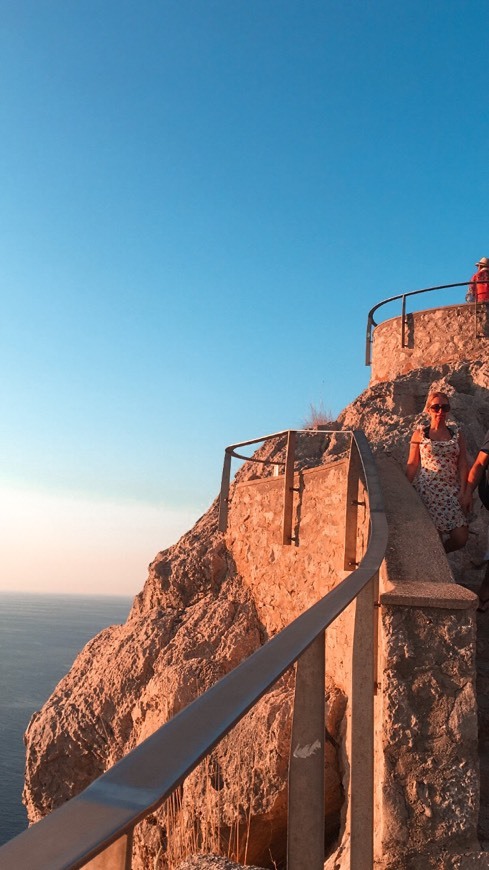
318,416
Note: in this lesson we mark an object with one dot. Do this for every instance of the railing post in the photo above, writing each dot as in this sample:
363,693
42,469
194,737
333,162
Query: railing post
118,856
368,342
289,488
305,830
224,494
403,322
363,680
351,510
362,747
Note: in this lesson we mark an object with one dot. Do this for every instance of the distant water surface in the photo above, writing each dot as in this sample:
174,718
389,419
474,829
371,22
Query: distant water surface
40,636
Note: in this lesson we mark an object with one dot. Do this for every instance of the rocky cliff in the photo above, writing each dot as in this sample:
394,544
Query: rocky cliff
194,620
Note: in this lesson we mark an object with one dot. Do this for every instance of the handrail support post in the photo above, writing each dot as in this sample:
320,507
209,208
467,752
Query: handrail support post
287,536
305,829
368,342
352,504
403,322
224,494
117,856
362,749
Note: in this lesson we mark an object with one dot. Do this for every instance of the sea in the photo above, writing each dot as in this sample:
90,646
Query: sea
40,637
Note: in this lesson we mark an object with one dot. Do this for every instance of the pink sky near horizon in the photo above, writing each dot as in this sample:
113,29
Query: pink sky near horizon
66,544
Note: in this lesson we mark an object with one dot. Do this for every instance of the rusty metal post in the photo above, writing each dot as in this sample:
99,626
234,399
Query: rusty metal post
305,830
118,856
351,510
368,342
403,322
224,494
288,488
376,630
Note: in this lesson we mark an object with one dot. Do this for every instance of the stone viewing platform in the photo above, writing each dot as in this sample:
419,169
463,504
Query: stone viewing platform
430,338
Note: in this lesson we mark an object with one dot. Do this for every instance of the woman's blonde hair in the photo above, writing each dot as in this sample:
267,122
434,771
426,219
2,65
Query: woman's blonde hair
433,395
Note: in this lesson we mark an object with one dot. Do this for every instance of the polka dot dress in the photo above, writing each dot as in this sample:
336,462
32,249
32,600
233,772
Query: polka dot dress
437,482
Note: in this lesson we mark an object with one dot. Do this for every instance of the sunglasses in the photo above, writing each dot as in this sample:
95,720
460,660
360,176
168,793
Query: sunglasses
445,408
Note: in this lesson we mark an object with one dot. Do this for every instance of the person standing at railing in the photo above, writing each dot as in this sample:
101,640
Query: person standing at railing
479,285
437,465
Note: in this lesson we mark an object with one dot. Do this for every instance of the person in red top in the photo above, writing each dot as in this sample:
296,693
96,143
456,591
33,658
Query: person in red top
479,292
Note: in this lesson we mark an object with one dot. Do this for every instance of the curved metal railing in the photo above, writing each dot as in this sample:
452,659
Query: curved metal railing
103,816
370,318
288,464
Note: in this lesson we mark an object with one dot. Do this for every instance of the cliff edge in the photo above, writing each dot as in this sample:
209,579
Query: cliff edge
195,620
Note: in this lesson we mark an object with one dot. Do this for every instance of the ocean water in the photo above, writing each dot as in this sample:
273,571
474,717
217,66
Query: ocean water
40,636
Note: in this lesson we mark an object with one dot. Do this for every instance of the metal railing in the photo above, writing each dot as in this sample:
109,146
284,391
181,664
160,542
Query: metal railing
287,464
371,322
100,820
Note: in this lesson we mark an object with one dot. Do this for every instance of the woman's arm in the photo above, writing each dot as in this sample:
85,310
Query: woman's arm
414,457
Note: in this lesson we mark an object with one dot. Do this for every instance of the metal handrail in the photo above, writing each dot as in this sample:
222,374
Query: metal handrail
230,453
137,785
232,447
371,323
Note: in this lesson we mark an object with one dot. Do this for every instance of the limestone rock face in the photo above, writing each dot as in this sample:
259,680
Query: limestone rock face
195,566
192,623
127,682
388,412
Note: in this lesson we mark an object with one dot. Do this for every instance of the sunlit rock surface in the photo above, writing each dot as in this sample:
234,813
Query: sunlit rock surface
198,615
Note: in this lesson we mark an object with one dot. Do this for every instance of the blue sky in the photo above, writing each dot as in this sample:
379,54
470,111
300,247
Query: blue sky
200,203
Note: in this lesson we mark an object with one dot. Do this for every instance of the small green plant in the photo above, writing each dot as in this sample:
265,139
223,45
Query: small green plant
318,416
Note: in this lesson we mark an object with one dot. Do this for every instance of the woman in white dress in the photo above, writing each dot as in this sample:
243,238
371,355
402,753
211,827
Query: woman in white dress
437,464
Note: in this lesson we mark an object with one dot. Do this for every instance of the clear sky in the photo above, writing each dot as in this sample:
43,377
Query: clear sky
200,202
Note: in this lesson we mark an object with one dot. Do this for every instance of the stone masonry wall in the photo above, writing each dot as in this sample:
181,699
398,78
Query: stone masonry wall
286,580
432,337
430,791
426,712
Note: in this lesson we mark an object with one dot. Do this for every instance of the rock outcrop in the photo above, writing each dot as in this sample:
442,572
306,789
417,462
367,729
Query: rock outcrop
192,623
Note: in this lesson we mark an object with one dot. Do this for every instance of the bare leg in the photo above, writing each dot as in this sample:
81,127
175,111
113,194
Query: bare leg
456,539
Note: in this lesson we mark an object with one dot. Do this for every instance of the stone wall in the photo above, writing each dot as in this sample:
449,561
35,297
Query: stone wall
286,580
432,337
430,781
427,753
